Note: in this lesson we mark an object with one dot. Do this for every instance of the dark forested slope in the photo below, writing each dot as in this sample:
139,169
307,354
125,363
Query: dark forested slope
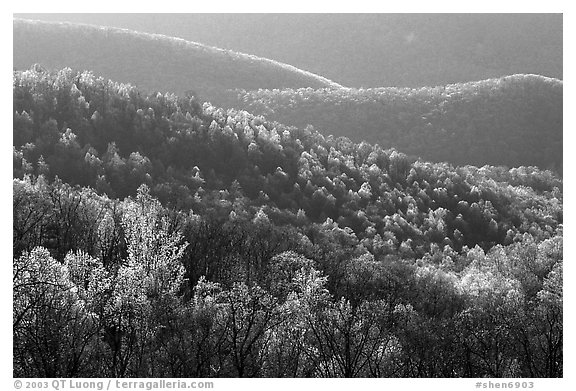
154,62
157,236
515,120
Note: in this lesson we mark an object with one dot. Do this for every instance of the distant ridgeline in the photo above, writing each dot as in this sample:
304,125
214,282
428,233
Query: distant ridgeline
513,121
153,62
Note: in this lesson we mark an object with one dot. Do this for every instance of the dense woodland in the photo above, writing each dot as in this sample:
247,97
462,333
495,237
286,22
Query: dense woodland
513,121
155,235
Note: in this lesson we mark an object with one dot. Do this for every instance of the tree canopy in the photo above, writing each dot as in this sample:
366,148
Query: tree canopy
158,236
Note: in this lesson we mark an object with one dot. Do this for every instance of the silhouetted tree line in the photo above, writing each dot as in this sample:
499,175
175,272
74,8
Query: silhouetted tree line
155,236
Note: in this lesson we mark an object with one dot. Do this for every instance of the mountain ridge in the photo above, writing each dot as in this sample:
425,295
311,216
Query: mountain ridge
514,120
153,61
371,50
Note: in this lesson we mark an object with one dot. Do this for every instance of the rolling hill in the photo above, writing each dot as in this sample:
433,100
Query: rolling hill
370,50
513,121
153,62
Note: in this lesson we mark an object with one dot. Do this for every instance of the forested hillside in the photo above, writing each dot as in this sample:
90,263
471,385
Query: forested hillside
370,50
158,236
513,121
154,62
